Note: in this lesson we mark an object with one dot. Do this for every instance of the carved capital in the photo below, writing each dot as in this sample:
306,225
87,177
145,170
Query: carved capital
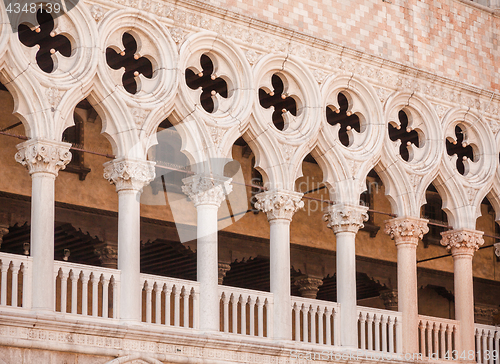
308,286
4,230
206,189
462,241
128,174
45,156
497,249
223,269
108,254
345,218
279,204
390,298
406,230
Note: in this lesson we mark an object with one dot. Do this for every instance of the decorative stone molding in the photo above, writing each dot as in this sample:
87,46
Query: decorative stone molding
45,156
497,249
486,314
223,269
279,204
345,218
206,189
462,241
129,174
406,230
308,286
390,298
108,254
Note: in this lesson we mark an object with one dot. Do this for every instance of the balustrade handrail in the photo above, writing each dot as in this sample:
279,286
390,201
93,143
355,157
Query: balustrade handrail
487,327
87,268
296,299
178,281
439,320
244,291
379,311
16,256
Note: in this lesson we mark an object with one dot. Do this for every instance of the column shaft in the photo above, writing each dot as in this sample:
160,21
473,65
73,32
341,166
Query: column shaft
464,300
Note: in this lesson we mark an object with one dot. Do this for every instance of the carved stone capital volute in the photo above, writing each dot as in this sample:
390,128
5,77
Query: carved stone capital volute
462,242
46,156
129,174
345,218
279,204
406,230
308,286
206,189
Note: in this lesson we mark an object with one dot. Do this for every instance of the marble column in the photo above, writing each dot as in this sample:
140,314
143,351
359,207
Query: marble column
308,286
207,193
129,177
345,221
279,206
43,159
406,232
463,243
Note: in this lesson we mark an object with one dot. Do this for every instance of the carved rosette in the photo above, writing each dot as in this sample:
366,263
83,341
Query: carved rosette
462,241
345,218
128,174
406,230
206,189
45,156
308,286
279,204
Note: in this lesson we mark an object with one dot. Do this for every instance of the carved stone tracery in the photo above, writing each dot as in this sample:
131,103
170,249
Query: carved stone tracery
462,241
279,204
206,189
129,174
346,218
45,156
406,230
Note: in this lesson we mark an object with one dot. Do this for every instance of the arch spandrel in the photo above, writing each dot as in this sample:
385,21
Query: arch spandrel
407,180
462,194
494,194
5,31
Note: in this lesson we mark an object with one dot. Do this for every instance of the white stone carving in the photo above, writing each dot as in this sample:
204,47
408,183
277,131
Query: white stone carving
177,34
462,241
217,134
320,75
97,12
53,97
342,217
279,204
207,190
139,115
497,249
45,156
252,56
406,229
128,174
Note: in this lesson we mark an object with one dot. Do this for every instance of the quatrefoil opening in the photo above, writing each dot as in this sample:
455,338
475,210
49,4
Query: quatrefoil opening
464,151
130,60
406,135
211,85
49,43
342,115
280,101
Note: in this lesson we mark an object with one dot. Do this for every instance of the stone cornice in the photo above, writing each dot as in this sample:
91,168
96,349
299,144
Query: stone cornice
406,230
43,156
345,218
207,190
279,204
129,174
462,241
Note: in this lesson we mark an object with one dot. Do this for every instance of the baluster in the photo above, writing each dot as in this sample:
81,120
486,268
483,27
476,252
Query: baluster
15,274
177,303
243,315
3,292
376,321
105,296
478,346
443,343
116,295
435,330
186,293
484,337
260,317
225,304
196,308
95,294
369,322
85,293
25,293
429,339
336,327
64,291
296,310
496,340
234,315
251,304
157,303
383,323
269,318
321,336
312,314
305,323
362,330
74,291
421,329
148,287
168,313
399,343
490,345
449,348
390,324
328,323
